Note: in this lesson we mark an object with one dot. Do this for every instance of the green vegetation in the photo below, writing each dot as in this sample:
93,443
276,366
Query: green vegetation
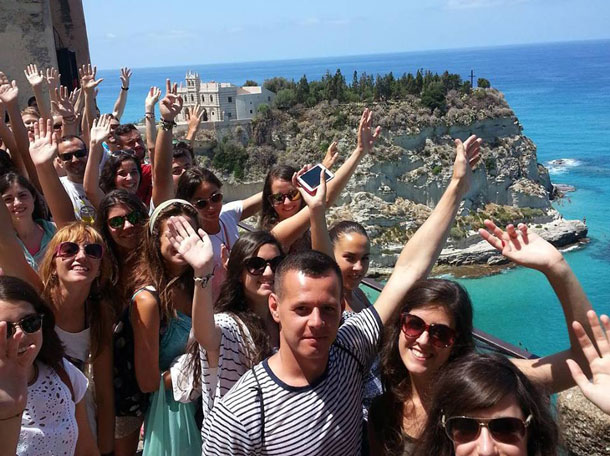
437,170
483,83
250,83
230,156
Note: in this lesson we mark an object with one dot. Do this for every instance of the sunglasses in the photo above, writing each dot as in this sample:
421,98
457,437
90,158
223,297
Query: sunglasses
203,202
29,325
464,429
118,222
278,198
257,265
70,249
441,336
81,153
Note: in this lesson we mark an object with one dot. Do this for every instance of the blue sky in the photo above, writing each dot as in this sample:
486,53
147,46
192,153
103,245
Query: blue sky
155,33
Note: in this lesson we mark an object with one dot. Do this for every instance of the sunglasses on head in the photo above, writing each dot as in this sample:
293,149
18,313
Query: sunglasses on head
257,265
29,325
118,222
464,429
70,249
81,153
278,198
441,336
202,203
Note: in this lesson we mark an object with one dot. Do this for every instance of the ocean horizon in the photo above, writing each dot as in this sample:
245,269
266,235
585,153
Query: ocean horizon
561,94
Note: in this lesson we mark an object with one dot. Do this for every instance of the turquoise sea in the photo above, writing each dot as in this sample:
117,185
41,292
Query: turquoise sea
561,94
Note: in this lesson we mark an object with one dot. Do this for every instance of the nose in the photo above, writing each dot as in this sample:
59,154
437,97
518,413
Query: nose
358,266
424,338
127,224
80,255
315,319
74,159
485,444
268,272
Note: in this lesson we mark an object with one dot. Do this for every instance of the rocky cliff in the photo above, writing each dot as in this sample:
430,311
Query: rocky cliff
395,187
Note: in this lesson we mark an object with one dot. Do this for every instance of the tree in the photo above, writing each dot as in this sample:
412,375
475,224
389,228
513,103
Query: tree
302,90
276,84
285,98
483,83
250,83
433,96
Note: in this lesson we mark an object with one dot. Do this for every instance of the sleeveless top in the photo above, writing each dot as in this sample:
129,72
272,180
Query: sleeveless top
48,230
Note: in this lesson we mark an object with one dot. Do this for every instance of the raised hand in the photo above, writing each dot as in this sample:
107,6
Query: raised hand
332,153
171,105
100,129
467,155
366,139
152,98
33,75
598,390
9,91
317,201
87,78
193,116
14,370
53,78
63,103
125,75
43,142
196,249
521,246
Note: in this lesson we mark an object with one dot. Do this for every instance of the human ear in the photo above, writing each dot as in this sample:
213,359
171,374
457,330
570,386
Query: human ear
274,307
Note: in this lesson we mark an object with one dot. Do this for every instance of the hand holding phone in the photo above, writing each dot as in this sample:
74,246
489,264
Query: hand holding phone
310,180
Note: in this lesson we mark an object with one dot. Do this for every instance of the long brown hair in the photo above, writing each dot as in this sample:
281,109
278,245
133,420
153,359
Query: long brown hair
269,217
151,269
100,301
394,375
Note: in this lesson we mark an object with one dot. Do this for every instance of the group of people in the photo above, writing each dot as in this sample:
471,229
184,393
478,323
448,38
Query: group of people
134,310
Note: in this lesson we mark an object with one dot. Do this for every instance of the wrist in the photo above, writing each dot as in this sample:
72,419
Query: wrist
12,417
124,88
167,125
556,267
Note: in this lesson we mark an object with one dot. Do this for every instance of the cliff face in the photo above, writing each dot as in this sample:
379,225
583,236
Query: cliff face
395,187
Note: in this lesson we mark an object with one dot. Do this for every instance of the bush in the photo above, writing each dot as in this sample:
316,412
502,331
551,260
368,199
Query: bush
483,83
230,157
437,170
285,99
433,97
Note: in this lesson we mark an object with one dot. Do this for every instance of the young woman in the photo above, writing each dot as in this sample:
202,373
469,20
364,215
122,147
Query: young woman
160,315
121,171
435,326
54,420
483,404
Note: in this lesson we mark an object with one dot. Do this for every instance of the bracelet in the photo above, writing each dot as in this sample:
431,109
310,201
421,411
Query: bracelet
149,116
167,125
203,281
124,88
12,417
70,119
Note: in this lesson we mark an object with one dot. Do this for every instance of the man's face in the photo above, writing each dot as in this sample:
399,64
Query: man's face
308,310
73,158
180,164
133,140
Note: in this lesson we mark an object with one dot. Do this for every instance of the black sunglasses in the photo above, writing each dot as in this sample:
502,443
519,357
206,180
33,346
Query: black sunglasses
464,429
278,198
202,203
118,222
77,153
29,324
441,336
70,249
257,265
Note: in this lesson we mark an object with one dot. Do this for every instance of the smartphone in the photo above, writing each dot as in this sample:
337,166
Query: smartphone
311,179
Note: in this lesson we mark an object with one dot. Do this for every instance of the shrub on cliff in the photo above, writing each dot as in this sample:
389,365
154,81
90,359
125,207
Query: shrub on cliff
433,97
483,83
230,157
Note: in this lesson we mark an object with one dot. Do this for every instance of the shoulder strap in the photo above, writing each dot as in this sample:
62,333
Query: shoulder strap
63,375
148,288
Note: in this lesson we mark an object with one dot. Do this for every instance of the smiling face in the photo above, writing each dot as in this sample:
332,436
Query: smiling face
287,208
127,236
208,216
127,176
80,268
179,165
14,311
420,356
19,201
174,262
29,120
308,311
352,252
75,167
257,288
485,444
133,140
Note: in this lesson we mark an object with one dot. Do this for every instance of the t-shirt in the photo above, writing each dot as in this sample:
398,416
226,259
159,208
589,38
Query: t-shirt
263,415
48,423
83,209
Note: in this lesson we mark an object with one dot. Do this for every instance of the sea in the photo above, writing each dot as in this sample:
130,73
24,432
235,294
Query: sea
561,94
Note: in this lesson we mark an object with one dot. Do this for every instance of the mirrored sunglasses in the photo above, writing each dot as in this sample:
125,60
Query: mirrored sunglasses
118,222
464,429
278,198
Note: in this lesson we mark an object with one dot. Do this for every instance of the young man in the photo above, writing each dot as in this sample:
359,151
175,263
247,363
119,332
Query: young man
73,154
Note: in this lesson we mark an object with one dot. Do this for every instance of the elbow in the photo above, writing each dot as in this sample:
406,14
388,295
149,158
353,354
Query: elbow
148,381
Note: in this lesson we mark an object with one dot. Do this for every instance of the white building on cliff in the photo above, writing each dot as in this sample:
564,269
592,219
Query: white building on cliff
223,101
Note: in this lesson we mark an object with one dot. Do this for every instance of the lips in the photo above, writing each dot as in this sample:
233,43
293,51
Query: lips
419,355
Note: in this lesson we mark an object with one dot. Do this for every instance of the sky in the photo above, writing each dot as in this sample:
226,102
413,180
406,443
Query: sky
155,33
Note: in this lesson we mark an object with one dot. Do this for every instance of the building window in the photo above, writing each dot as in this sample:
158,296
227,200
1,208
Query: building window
229,113
203,98
211,98
250,111
230,99
268,98
213,113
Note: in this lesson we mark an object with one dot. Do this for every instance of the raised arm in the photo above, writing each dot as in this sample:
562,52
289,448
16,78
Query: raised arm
88,85
149,114
52,77
119,105
170,107
91,182
332,154
197,250
419,255
289,230
252,205
43,150
193,116
8,139
38,83
530,250
62,104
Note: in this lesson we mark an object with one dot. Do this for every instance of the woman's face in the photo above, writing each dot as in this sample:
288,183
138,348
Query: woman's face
286,208
352,251
259,287
19,201
420,356
15,311
127,176
174,262
128,235
210,213
486,444
29,120
79,268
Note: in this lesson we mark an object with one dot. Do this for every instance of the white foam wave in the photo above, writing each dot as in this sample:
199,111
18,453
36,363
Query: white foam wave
561,165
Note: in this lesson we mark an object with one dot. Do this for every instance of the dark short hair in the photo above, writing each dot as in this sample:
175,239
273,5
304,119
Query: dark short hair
113,164
480,381
346,227
124,129
71,137
6,162
311,263
192,178
183,148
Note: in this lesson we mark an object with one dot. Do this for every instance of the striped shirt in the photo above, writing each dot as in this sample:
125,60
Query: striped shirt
262,415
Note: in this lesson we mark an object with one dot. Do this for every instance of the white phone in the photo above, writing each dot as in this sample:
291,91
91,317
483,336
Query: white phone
311,179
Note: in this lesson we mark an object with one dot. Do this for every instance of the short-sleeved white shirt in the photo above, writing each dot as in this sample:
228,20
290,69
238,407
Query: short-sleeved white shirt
77,195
